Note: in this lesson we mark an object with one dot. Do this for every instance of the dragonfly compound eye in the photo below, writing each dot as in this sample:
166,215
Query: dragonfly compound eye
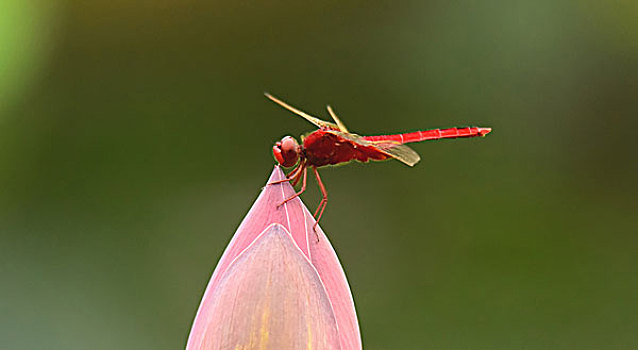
286,151
276,151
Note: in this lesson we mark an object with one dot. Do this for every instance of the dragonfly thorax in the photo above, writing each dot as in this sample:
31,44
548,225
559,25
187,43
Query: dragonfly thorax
287,151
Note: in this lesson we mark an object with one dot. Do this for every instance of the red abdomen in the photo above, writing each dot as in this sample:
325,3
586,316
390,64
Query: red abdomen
435,134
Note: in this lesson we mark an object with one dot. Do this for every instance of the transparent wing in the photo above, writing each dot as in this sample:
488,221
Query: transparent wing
398,151
393,149
341,125
316,121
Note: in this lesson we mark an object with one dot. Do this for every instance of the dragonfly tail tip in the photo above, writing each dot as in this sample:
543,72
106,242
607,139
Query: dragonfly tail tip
484,131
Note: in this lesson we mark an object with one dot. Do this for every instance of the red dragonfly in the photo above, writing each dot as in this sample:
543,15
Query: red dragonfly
333,144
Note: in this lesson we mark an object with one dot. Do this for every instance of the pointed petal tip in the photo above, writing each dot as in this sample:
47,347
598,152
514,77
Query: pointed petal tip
275,229
277,174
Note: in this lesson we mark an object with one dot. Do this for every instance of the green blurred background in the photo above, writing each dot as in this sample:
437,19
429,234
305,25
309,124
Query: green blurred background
134,137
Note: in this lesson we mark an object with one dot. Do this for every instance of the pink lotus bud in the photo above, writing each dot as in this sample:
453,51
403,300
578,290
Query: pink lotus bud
278,285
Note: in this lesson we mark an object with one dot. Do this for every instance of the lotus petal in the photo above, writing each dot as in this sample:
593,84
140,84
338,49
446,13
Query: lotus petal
270,297
294,219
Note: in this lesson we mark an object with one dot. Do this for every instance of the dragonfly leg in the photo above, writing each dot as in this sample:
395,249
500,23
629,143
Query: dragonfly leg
303,186
292,175
296,172
297,175
324,200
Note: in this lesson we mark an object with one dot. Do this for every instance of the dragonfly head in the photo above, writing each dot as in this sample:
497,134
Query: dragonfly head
287,151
